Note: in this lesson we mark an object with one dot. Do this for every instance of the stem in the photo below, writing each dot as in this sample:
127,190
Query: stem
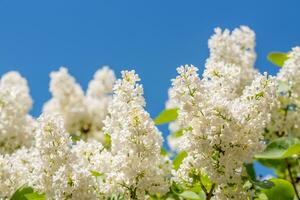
292,179
203,187
210,193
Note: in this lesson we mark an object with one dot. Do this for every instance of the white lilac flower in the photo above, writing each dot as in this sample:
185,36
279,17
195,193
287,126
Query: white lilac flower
97,160
98,97
62,176
17,170
138,167
224,133
235,48
83,114
92,154
231,61
102,84
228,70
15,123
68,100
285,116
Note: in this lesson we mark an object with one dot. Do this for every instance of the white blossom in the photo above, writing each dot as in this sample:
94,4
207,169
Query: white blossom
224,133
17,170
138,167
235,48
285,116
230,66
83,114
226,113
15,124
61,174
96,159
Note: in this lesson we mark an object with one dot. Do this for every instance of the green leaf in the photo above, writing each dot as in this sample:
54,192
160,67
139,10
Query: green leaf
176,188
180,132
95,173
75,138
178,159
277,58
27,193
163,152
35,196
262,196
20,193
281,148
189,195
166,116
206,182
107,141
197,189
283,190
250,170
266,184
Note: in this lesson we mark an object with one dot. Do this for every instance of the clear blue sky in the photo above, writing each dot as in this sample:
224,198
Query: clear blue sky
152,37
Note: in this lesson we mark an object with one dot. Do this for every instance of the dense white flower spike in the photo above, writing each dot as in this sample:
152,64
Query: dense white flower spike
102,84
138,167
92,154
223,115
15,123
231,61
68,100
97,99
234,48
285,116
228,70
83,114
223,112
96,159
61,174
223,134
17,170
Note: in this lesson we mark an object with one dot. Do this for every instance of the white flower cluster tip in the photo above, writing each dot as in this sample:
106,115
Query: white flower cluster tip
136,142
83,114
15,122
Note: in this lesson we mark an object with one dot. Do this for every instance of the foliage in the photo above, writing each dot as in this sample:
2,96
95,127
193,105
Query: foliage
277,58
27,193
166,116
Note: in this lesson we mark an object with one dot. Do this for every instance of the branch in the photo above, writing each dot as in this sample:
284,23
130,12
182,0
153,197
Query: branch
292,179
210,193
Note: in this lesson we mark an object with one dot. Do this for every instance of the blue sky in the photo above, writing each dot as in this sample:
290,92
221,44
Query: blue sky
152,37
